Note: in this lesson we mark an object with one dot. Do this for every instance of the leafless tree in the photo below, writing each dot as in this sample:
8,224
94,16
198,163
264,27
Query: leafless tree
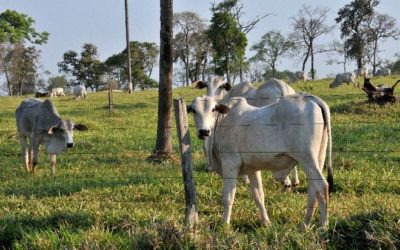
164,124
308,25
379,28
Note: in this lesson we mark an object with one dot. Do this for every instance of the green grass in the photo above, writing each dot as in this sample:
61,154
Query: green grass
108,195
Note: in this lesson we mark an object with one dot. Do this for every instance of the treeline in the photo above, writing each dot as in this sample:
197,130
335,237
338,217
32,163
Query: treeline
202,48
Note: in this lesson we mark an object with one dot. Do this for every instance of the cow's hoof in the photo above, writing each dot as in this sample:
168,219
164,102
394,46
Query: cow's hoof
245,180
265,223
288,188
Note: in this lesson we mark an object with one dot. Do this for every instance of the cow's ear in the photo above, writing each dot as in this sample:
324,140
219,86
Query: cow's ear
199,85
189,109
80,127
227,86
222,109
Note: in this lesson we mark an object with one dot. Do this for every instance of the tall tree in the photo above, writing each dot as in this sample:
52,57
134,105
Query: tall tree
189,25
271,46
379,28
228,41
17,60
352,18
128,49
164,124
144,58
308,25
84,68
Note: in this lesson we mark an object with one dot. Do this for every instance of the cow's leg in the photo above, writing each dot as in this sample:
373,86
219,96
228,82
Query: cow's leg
53,161
24,151
245,179
34,152
295,177
230,172
258,195
317,188
282,177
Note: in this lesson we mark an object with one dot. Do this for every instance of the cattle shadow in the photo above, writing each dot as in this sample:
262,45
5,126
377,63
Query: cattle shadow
13,228
56,187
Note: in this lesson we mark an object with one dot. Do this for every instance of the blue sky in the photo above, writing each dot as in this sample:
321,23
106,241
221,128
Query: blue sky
71,23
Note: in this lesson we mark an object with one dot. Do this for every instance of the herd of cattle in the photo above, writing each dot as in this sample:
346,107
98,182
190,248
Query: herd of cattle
78,91
245,130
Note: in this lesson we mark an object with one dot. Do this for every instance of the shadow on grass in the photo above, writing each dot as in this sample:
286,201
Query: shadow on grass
378,229
13,228
64,187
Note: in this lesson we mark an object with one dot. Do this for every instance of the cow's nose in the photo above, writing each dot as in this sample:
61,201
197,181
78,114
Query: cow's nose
204,133
70,145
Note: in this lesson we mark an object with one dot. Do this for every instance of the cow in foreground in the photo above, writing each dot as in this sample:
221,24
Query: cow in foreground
38,123
244,140
79,92
347,77
57,92
267,93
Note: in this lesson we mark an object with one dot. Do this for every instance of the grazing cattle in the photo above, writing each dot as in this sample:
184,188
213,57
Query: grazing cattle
79,92
38,123
347,77
362,72
42,94
297,76
57,92
275,137
267,93
383,72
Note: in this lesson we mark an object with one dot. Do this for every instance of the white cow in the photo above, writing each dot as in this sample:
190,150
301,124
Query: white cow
80,92
347,77
57,92
363,72
274,137
267,93
297,76
38,122
383,72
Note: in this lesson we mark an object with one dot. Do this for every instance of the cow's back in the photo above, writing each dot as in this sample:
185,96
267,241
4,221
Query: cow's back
271,91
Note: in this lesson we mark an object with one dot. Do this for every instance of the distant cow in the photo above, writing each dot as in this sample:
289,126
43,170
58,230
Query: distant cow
42,94
347,77
298,76
38,122
57,92
383,72
267,93
362,72
246,139
79,92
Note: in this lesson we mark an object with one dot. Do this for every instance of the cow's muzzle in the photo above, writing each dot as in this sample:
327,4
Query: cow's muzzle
203,133
70,145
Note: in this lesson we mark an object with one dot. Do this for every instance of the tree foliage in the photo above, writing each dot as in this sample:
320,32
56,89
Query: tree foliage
144,57
227,39
271,46
352,18
84,68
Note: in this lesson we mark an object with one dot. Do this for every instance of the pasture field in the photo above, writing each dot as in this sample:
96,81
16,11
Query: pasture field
108,194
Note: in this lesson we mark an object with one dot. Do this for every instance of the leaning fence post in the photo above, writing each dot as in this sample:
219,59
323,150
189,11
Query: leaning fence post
186,161
110,98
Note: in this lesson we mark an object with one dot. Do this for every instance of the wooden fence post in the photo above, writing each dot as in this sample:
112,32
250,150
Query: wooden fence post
191,212
110,98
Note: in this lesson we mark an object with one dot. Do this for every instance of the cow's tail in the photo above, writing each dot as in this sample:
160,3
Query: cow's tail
327,118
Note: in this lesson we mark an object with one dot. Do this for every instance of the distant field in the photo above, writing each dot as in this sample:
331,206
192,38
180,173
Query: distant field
108,195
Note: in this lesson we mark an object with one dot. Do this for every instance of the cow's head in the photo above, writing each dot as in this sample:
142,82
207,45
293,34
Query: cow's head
205,110
61,135
216,86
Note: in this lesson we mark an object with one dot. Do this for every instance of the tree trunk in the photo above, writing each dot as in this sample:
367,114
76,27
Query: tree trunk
228,73
164,124
312,61
128,49
305,60
374,58
187,64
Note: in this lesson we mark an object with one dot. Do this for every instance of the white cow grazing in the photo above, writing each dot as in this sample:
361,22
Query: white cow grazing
363,72
298,76
80,92
57,92
347,77
39,123
274,137
267,93
383,72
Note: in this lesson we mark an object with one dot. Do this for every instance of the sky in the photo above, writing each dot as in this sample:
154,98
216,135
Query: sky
71,23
